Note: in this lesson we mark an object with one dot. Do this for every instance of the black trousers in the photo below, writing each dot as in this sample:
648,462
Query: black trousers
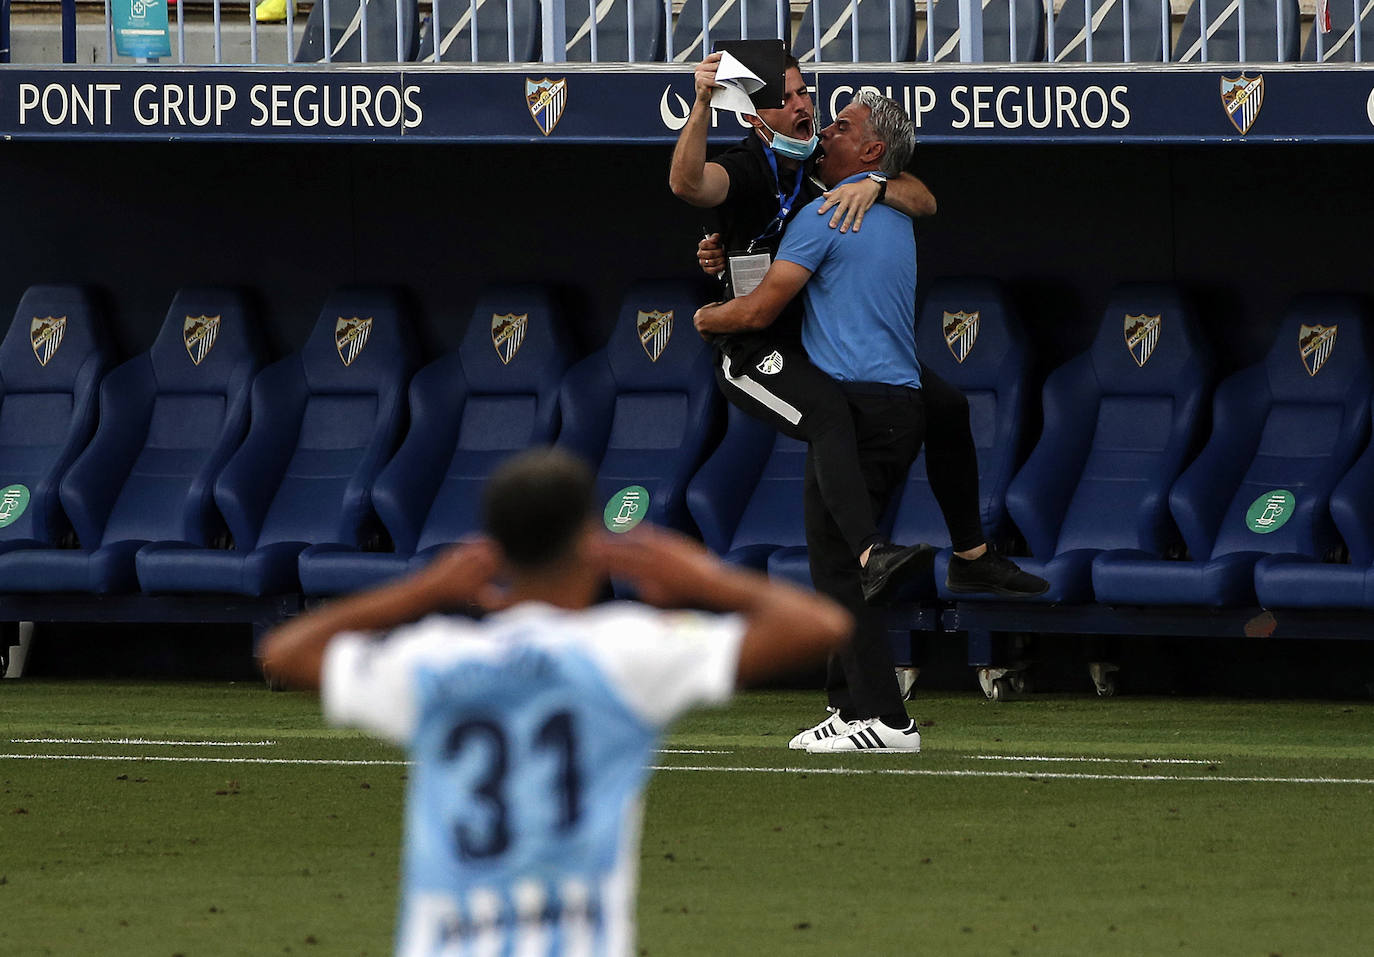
771,379
889,424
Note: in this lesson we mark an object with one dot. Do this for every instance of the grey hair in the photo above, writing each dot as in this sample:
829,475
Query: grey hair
889,124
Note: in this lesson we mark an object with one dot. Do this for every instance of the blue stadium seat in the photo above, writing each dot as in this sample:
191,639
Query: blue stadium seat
504,34
691,43
323,422
969,334
169,420
1119,422
1070,39
997,32
1270,34
51,362
836,31
1305,581
642,409
613,31
346,35
1338,46
1284,431
469,410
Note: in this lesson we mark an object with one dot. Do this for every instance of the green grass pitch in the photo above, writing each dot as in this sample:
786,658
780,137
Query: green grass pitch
1047,825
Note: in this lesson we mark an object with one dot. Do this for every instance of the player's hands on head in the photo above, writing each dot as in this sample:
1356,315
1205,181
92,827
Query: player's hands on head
704,77
467,572
666,568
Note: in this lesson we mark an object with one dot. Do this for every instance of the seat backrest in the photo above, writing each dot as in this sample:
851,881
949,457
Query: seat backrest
833,22
51,361
1109,32
1271,33
727,20
189,394
497,394
998,39
1120,421
504,33
611,20
970,335
643,408
351,375
1338,46
345,34
1285,431
1352,508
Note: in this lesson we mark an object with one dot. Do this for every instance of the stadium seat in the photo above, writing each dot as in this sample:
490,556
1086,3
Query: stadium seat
169,420
1070,39
51,361
612,31
1306,581
505,34
642,408
346,34
323,422
760,22
970,335
469,410
1119,423
997,32
1284,431
1338,46
1272,32
832,22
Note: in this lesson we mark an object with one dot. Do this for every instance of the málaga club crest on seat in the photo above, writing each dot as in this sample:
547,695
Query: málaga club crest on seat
1314,346
961,332
46,336
199,334
350,337
1142,335
546,99
508,333
1241,97
655,329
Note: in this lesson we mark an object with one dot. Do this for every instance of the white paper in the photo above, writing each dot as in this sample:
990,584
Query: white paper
746,272
735,82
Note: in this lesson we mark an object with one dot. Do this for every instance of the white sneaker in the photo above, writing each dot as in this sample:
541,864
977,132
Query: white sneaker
829,728
871,736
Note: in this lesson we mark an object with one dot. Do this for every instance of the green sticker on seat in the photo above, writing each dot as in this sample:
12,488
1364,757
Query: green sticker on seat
1270,512
14,501
627,508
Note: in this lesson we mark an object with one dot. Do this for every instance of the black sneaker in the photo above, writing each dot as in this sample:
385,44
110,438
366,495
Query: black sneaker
890,565
991,572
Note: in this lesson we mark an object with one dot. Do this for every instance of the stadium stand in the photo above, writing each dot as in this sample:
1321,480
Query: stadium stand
169,420
1013,32
323,423
1271,32
495,395
603,33
1338,46
51,361
505,33
1072,42
726,20
1119,423
644,408
345,33
886,32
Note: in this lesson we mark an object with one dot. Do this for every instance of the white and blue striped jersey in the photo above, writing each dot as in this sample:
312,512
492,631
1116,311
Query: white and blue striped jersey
531,734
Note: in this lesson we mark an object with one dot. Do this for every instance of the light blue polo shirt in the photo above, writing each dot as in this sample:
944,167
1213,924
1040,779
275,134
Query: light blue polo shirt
860,301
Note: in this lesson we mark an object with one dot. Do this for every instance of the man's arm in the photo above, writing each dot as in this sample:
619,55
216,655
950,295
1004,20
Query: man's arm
905,193
758,309
690,177
785,626
293,652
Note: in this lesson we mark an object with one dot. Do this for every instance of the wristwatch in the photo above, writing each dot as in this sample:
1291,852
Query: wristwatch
881,180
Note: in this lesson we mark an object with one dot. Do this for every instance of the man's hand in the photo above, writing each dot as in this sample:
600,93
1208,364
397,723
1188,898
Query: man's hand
666,568
466,573
704,77
711,255
850,202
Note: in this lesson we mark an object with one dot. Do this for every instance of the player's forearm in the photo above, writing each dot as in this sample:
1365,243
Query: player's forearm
788,627
907,194
742,314
687,173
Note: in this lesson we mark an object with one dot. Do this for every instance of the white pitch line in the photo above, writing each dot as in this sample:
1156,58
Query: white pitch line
142,758
689,751
147,741
1038,758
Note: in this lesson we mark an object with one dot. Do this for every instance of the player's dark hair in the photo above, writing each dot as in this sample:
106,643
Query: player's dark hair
535,505
789,62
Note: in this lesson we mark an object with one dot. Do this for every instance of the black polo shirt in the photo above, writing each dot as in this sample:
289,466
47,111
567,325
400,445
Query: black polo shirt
752,202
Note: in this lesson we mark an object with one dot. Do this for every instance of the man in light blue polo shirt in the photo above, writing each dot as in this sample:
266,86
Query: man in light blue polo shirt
859,290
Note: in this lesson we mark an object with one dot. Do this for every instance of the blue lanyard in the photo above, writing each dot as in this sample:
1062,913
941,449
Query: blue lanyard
784,205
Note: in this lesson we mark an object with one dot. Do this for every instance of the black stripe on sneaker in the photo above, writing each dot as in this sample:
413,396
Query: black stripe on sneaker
877,741
859,742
